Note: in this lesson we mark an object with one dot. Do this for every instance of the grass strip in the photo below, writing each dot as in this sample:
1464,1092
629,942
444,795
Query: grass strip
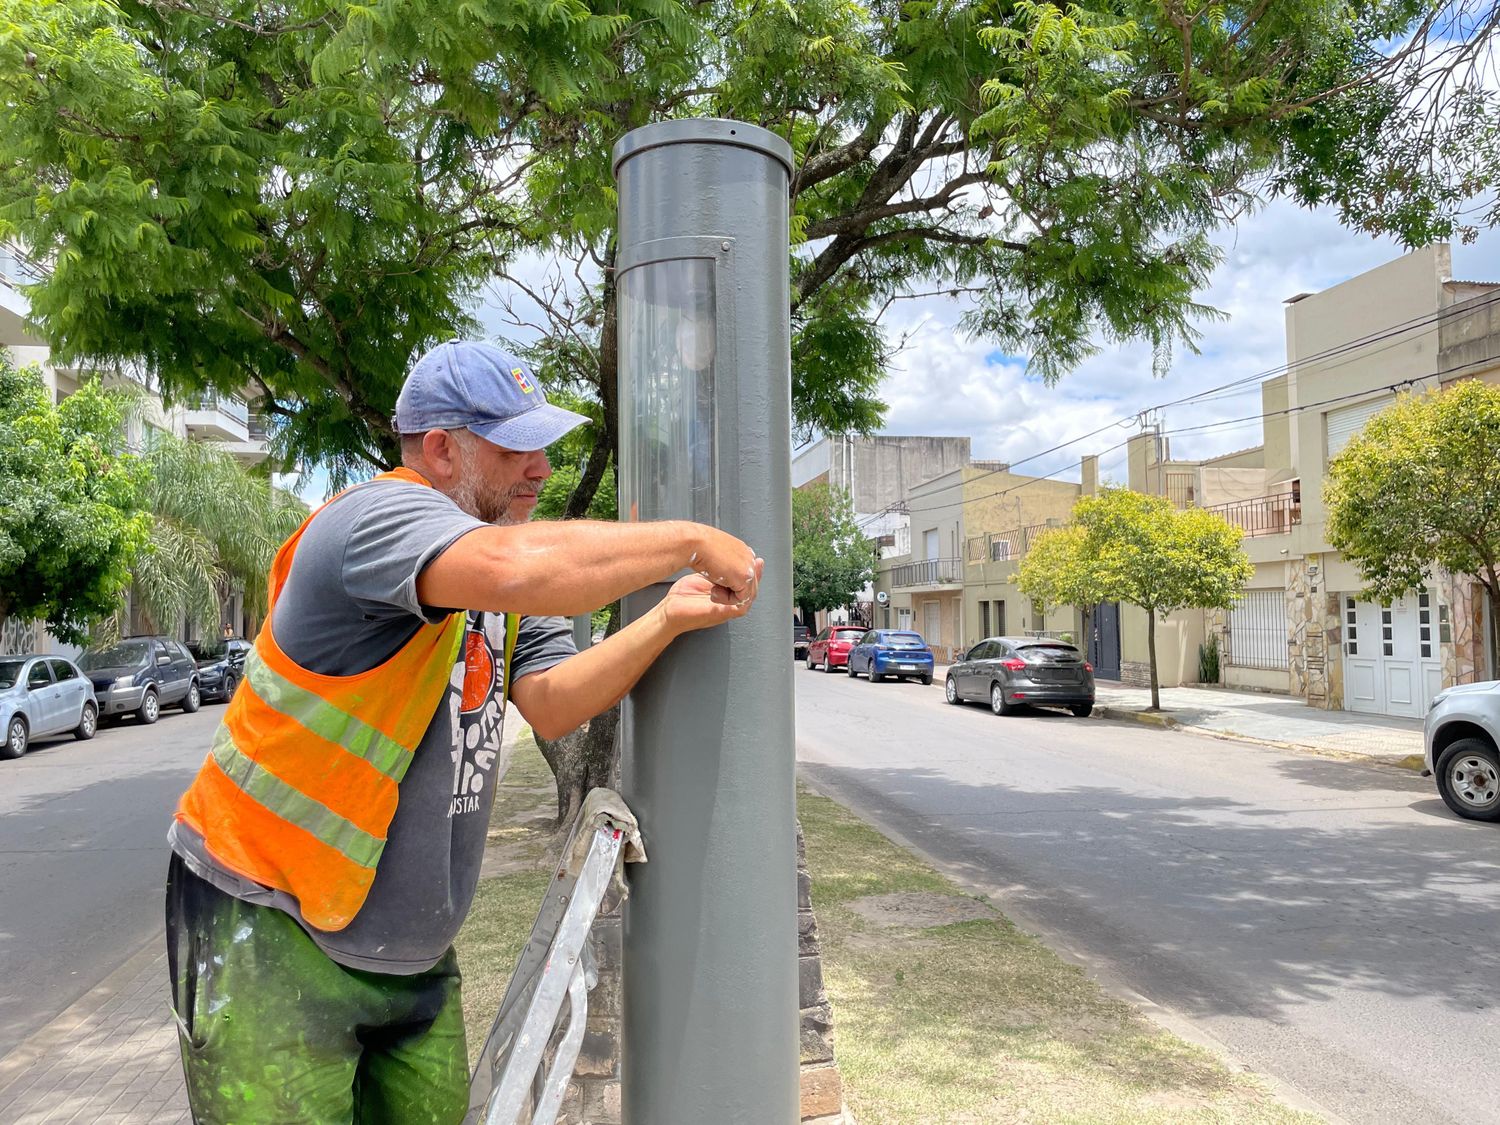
957,1022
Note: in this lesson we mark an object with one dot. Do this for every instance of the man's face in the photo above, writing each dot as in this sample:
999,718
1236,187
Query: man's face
496,485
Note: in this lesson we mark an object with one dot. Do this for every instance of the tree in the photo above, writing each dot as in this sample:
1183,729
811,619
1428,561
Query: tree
1129,547
304,194
214,527
70,504
1419,489
831,558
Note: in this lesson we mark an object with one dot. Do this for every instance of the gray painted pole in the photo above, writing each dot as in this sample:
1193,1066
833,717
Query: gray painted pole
710,982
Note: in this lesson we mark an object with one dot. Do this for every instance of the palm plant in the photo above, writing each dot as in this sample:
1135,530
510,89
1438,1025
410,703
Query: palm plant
215,527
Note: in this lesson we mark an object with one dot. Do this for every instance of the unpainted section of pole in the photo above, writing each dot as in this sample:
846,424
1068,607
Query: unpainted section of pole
710,984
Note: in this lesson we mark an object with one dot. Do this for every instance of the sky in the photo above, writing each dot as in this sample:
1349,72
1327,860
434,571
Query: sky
943,384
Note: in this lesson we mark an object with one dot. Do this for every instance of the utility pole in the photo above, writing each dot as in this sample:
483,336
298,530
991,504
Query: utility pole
710,974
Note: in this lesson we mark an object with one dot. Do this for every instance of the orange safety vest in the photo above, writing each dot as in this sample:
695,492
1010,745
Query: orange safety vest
300,787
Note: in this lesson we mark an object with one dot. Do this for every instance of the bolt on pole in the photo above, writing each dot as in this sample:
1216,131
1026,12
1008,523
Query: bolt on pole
710,974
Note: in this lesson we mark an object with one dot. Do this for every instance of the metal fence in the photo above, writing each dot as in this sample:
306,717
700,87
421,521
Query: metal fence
1003,546
1265,515
1258,631
933,572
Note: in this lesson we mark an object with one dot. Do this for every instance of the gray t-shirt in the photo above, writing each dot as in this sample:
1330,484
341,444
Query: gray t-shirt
349,603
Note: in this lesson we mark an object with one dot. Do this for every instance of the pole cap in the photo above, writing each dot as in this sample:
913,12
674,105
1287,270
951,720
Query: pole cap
701,131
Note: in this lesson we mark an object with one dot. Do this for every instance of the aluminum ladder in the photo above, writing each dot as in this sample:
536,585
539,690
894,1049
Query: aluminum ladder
556,965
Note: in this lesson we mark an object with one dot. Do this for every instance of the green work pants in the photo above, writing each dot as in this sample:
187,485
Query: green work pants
273,1030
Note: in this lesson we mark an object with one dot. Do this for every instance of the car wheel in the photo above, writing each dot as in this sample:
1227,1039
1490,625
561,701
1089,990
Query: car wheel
926,680
88,723
1468,778
950,690
227,691
1082,710
16,737
827,664
874,676
997,700
853,675
811,667
193,699
150,709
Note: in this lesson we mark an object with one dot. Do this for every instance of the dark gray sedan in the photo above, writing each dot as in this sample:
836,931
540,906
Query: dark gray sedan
1012,672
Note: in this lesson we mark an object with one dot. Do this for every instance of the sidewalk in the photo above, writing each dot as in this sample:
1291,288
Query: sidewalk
1267,718
111,1058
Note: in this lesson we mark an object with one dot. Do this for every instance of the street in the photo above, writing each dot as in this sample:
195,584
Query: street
83,829
1329,922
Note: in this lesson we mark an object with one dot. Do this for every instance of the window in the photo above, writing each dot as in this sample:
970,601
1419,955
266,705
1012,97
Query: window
1000,617
1387,641
39,677
1343,424
1351,630
62,671
984,618
1258,632
1000,550
1424,624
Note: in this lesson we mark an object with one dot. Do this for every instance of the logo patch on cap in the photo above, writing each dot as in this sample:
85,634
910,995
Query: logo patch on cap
521,381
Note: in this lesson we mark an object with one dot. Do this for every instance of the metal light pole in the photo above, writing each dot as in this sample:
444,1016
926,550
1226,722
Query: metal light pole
710,985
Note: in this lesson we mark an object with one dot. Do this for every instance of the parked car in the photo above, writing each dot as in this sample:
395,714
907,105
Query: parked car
142,675
800,635
42,696
1460,739
1010,672
830,648
221,666
891,652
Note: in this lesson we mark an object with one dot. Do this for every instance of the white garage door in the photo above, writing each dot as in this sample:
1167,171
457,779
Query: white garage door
1392,660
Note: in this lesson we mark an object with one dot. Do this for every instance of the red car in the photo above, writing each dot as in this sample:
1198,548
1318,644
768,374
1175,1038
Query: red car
831,647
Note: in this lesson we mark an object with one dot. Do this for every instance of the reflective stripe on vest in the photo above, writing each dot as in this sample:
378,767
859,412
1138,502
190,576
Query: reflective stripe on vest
301,784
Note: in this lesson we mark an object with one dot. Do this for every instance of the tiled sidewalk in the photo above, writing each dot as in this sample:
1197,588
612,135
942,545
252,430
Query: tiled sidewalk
1270,718
110,1059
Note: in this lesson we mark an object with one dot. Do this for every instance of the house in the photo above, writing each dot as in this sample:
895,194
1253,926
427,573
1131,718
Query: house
1303,626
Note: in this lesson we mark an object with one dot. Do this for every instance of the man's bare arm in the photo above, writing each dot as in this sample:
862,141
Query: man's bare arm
569,694
576,566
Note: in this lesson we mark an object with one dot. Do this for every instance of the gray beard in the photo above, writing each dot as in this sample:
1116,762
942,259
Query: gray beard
487,506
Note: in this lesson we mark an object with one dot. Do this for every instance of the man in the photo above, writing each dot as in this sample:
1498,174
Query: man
328,850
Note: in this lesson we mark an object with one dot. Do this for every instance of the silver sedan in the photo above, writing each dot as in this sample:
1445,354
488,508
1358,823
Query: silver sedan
42,696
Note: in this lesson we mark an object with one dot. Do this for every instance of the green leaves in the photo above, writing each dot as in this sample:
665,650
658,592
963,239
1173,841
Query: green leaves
70,504
1418,489
831,558
1127,546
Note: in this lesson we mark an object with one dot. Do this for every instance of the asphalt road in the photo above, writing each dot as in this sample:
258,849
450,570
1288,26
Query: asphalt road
1330,922
83,856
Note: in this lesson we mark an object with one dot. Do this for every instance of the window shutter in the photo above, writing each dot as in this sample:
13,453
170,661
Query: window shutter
1343,423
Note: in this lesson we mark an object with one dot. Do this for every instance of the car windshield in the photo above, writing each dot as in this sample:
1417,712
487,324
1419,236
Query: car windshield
126,654
210,648
905,640
847,634
10,672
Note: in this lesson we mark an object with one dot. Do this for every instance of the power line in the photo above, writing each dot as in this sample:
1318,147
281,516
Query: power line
1426,321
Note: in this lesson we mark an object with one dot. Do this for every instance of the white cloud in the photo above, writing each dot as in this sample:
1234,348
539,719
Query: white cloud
942,384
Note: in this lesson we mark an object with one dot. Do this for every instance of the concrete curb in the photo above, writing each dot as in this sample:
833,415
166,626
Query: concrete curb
1148,718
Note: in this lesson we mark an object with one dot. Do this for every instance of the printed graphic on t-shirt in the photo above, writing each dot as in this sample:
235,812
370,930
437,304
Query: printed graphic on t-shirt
478,718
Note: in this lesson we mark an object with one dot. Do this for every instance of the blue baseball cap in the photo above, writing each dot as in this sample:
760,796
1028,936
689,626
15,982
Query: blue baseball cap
485,389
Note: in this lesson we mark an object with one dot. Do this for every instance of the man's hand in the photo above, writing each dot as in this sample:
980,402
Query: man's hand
695,602
728,564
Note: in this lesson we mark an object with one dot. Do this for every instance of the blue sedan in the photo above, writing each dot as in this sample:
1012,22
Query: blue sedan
890,652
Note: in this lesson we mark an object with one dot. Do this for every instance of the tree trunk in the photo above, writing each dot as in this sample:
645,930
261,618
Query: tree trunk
1493,640
607,377
582,760
1151,648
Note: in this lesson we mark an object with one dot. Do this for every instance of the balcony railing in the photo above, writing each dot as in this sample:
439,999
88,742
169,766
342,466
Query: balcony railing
231,406
1004,546
1265,515
933,572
